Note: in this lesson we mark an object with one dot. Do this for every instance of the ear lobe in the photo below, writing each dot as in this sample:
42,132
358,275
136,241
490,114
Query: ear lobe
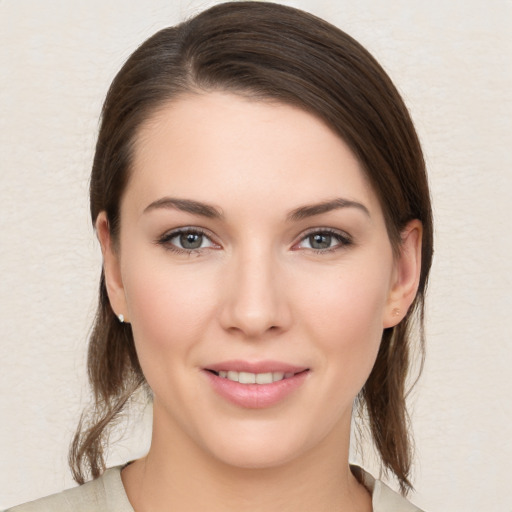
111,266
406,276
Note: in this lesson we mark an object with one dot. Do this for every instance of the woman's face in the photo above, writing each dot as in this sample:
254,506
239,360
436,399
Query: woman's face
252,248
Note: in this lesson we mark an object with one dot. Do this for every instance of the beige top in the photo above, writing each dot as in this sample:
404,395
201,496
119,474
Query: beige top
107,494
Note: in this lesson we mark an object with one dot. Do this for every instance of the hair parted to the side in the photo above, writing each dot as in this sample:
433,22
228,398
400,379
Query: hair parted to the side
268,52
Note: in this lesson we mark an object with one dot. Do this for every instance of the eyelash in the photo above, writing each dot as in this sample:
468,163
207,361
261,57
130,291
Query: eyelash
165,240
344,240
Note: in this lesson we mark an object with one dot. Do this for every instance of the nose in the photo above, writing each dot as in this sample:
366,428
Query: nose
255,302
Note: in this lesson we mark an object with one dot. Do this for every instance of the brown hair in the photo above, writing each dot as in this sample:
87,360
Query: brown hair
267,51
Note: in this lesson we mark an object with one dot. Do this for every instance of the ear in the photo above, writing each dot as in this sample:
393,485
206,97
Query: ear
111,267
406,275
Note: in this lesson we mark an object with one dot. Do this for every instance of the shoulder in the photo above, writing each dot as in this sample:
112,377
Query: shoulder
384,499
86,497
104,493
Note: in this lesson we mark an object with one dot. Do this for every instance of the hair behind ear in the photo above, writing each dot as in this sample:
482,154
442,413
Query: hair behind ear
383,397
114,369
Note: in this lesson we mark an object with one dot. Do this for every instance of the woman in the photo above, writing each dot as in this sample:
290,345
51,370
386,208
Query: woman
260,197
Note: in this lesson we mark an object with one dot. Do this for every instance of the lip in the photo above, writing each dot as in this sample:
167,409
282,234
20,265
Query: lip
255,396
266,366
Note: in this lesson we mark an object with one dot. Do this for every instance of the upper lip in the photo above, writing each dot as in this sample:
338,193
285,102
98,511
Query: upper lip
255,367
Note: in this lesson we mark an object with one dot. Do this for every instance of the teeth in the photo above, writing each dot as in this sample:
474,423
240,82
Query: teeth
264,378
247,378
255,378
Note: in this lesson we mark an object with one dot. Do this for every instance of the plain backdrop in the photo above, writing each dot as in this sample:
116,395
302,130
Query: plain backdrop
452,61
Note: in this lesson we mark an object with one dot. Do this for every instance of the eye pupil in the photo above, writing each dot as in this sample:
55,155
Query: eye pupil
320,241
191,240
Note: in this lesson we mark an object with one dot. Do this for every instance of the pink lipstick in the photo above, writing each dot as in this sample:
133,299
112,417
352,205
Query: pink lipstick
255,385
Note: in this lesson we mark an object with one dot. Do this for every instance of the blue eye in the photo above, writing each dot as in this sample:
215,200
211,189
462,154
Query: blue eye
186,240
189,240
320,241
324,240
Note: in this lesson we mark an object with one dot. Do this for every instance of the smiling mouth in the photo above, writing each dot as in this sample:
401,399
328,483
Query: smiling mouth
254,378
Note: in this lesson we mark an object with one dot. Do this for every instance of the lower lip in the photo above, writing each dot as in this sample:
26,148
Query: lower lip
256,396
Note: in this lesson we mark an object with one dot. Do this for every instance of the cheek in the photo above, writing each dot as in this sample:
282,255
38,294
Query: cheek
350,303
169,308
345,319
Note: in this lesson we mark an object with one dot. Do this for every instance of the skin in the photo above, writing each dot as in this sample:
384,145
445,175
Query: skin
258,288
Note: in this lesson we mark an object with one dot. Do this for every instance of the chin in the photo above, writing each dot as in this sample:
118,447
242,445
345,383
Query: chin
257,459
258,447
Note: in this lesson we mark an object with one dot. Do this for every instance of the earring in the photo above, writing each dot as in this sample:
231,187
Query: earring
396,312
121,318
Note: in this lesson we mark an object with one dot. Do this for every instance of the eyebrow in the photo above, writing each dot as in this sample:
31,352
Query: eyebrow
186,205
211,212
316,209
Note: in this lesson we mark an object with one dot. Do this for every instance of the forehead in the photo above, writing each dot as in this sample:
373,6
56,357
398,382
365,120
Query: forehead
219,146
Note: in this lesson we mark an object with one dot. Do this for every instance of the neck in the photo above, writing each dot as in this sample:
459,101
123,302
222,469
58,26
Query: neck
179,476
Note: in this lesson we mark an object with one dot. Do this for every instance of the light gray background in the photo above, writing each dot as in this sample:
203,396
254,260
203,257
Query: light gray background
452,60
